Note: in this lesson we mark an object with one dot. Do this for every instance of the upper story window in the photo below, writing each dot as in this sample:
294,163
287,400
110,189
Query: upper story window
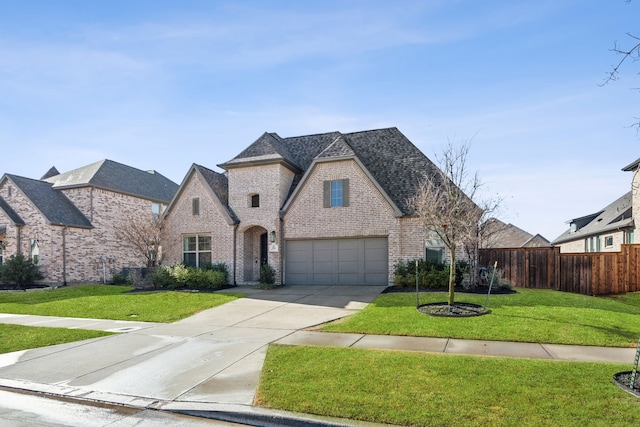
195,206
336,193
255,201
157,209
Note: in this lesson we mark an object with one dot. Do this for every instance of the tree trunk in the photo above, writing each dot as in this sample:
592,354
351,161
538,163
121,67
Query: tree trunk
452,274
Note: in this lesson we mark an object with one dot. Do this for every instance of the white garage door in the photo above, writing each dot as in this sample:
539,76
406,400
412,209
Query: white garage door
337,262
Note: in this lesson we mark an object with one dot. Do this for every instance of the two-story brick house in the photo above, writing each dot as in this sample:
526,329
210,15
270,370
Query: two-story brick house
330,208
610,227
68,222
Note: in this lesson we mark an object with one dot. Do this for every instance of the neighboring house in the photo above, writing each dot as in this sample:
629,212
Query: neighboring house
325,209
607,229
497,234
68,222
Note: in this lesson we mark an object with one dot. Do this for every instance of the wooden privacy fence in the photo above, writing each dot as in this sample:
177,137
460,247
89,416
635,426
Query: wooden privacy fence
593,273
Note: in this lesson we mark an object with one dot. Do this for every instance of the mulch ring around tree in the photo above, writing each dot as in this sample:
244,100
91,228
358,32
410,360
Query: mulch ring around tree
623,381
458,309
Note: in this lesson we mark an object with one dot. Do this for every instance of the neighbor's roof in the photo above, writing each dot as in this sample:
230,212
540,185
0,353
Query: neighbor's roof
117,177
502,235
393,161
613,217
54,205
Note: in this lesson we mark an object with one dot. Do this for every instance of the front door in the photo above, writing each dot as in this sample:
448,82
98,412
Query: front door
264,249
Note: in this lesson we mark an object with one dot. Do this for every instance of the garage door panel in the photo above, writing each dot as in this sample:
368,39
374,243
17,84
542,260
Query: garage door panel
337,262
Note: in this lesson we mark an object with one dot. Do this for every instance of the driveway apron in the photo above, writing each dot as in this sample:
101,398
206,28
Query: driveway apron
214,356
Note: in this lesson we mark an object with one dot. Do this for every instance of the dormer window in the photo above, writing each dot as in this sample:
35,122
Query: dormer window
255,201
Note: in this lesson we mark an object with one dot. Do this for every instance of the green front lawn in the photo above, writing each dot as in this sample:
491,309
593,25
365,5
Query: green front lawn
112,302
17,337
528,316
443,390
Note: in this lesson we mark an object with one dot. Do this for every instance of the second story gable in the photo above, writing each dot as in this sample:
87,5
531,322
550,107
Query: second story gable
266,176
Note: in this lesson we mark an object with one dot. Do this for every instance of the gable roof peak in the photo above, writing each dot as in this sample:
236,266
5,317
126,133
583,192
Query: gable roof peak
51,172
338,148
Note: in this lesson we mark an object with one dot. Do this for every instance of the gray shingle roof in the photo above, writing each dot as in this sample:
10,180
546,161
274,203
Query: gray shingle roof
53,204
120,178
219,185
615,216
393,161
13,216
631,166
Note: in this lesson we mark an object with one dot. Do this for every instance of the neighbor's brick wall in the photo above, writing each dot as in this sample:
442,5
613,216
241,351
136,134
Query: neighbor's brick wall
180,221
35,228
369,214
108,211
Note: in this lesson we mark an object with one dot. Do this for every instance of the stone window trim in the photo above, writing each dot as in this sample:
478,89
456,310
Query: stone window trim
336,193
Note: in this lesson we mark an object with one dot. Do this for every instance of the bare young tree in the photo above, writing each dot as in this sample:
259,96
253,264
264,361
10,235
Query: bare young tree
145,235
446,207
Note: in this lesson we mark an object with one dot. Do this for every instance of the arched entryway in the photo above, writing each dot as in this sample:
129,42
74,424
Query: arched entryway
255,252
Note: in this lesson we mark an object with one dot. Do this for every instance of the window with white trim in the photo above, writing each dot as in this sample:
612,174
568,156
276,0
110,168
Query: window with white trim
196,250
35,251
608,241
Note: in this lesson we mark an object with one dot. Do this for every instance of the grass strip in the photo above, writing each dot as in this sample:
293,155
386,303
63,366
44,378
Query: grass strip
443,390
18,337
529,315
112,302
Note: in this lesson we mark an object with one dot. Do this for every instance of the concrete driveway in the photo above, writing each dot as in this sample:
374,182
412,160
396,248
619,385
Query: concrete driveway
213,358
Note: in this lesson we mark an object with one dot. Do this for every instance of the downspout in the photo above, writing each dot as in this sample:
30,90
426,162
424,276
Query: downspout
235,250
91,204
64,256
19,240
281,234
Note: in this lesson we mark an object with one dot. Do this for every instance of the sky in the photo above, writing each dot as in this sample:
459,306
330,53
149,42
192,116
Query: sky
161,85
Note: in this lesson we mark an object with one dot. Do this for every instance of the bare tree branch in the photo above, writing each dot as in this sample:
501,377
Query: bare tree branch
145,236
632,54
446,207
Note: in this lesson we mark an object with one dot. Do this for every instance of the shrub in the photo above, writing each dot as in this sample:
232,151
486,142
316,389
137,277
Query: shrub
20,271
430,274
119,279
267,275
177,276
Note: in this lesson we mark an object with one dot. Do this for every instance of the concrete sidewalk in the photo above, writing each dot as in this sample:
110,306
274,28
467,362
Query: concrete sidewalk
210,363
